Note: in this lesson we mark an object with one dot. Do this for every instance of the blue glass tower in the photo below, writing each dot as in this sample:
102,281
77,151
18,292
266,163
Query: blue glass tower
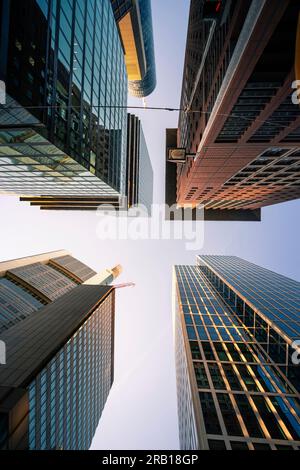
147,85
237,382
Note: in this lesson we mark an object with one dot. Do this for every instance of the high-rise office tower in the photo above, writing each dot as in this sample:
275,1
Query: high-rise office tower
139,167
57,328
240,126
134,18
238,381
63,127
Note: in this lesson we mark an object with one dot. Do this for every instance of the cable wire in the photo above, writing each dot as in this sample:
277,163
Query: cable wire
148,108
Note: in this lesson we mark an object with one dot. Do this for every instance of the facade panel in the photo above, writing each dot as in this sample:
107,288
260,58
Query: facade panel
67,397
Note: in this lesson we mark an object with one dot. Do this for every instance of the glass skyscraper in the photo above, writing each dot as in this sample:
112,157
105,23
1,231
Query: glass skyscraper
63,128
134,18
237,383
146,176
57,324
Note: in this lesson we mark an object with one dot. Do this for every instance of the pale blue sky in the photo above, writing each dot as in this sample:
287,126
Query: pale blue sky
141,410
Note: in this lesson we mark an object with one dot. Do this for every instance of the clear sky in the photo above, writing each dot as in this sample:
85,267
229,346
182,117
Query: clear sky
141,410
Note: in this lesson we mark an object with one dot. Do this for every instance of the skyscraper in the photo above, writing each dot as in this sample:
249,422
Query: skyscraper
239,125
139,167
238,384
68,57
63,127
134,18
57,325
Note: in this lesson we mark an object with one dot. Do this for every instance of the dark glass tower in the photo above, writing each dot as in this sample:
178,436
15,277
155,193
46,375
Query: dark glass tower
139,167
238,386
66,55
57,325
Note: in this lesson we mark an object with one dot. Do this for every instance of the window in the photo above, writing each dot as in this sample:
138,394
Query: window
229,415
210,416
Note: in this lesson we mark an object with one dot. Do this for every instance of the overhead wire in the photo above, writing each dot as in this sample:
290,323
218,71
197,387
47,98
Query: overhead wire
148,108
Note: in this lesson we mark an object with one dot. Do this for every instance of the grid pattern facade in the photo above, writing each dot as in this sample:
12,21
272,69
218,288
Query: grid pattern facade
31,165
211,78
73,267
67,397
72,61
272,177
47,281
266,302
245,397
188,435
241,109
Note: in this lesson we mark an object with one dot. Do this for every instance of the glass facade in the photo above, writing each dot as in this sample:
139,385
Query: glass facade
71,60
146,85
244,387
188,434
67,397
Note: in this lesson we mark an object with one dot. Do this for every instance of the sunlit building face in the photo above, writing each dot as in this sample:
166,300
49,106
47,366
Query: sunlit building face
235,324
